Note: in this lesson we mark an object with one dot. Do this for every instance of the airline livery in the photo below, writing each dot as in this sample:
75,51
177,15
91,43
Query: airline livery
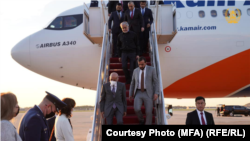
209,56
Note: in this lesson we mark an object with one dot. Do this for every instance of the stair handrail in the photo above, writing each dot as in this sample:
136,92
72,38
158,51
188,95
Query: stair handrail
160,108
102,78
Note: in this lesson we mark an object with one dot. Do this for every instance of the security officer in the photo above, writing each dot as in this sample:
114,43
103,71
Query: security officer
34,126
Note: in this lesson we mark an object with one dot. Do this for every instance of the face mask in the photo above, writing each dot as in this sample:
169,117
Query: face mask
17,111
50,115
113,83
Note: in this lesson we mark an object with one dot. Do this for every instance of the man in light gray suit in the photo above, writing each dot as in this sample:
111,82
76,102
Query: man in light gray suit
113,100
145,86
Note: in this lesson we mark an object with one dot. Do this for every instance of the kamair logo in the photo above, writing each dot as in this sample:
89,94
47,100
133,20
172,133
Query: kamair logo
202,3
56,44
233,15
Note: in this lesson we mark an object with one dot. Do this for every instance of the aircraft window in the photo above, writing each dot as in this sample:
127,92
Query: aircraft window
70,21
248,11
57,23
202,14
238,12
213,13
226,14
66,22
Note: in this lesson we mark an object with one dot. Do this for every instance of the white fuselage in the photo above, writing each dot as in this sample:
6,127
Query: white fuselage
192,67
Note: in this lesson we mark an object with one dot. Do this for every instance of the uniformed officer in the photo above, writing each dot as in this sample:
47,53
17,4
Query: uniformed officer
34,126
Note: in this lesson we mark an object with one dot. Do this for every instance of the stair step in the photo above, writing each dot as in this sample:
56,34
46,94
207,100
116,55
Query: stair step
127,86
116,60
131,111
119,65
132,119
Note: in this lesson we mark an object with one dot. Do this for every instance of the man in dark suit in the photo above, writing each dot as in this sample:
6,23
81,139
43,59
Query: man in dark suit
134,18
125,5
113,100
199,116
33,125
148,20
117,17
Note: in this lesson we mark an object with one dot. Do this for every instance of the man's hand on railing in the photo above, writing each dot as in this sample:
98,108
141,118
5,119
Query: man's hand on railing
102,114
119,59
130,98
124,114
155,96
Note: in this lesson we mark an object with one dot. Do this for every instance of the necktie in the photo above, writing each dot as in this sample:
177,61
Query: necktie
142,81
202,119
113,90
119,16
142,12
132,14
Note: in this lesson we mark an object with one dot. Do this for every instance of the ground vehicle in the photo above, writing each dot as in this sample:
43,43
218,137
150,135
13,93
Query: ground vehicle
234,109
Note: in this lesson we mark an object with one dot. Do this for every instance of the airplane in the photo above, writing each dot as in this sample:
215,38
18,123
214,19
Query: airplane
209,56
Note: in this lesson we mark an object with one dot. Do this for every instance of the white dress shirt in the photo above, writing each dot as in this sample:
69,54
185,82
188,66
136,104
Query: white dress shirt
111,87
139,86
63,130
204,117
131,12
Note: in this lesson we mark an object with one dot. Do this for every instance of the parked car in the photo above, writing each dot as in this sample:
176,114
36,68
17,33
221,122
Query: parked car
234,109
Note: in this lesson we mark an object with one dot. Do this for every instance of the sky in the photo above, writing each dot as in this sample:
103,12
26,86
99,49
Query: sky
20,18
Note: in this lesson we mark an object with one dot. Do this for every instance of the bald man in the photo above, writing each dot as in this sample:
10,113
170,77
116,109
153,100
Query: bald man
113,100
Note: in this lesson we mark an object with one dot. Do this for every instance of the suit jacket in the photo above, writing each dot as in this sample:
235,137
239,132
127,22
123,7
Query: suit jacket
112,6
116,22
51,123
34,126
137,22
193,118
151,82
107,99
147,17
125,5
63,130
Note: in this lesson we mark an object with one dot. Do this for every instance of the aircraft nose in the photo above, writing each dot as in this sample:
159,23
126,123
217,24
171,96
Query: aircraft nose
20,52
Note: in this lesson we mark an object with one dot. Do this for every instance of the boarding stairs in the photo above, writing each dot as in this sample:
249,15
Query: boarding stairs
109,64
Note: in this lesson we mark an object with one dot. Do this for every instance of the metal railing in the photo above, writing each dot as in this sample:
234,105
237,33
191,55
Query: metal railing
155,60
102,78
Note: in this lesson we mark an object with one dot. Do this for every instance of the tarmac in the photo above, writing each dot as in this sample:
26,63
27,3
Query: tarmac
81,121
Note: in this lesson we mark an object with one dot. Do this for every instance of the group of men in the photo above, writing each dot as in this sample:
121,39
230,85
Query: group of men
144,88
130,31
